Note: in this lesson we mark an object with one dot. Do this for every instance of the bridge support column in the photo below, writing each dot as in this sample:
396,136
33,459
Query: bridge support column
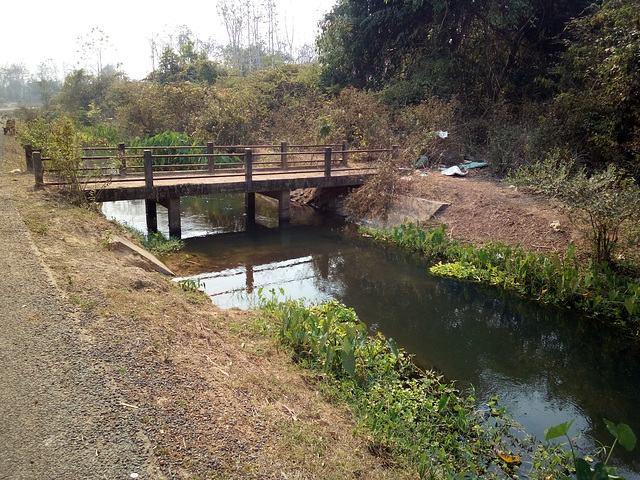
152,215
284,207
173,209
250,207
175,229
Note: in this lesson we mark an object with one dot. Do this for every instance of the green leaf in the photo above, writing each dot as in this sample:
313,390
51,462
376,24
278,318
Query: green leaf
623,433
583,469
630,303
558,430
348,357
393,347
444,400
601,472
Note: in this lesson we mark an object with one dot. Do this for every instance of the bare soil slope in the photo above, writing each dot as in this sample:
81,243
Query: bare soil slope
482,209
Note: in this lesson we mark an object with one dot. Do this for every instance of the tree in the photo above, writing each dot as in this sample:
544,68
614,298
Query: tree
255,40
86,97
48,82
149,108
92,48
14,83
598,82
485,51
186,65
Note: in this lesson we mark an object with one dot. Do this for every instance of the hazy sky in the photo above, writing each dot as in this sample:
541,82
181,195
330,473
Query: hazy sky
38,30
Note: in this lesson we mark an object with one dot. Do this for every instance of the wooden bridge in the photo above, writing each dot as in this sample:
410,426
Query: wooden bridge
164,174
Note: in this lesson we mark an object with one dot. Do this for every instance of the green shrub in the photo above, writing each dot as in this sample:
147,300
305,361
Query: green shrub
605,204
412,415
157,243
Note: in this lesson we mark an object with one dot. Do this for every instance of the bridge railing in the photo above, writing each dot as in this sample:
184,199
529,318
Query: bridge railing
124,164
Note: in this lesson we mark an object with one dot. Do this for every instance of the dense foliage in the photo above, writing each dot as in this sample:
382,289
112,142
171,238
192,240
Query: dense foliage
487,50
598,99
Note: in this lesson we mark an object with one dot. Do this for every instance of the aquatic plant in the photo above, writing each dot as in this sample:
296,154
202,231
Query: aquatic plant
410,416
157,243
593,288
622,433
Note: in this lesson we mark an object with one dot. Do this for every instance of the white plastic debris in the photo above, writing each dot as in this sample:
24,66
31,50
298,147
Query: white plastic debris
455,170
442,134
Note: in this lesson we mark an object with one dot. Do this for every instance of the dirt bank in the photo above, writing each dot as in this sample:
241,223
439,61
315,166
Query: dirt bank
483,209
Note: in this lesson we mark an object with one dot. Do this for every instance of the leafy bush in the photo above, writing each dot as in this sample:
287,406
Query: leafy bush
149,109
98,135
375,196
60,142
357,117
157,243
549,177
623,435
606,204
415,416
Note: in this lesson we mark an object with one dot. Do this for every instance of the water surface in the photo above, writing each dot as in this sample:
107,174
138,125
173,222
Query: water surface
546,365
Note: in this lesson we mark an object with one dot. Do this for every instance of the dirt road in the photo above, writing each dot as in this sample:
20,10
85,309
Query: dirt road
56,392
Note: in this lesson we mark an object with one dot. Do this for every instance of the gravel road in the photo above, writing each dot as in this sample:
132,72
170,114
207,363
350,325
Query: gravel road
61,412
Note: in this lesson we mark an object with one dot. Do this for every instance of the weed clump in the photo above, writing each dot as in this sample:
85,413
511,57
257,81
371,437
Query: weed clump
410,416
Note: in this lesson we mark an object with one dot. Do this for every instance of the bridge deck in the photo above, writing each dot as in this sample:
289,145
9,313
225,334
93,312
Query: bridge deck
193,183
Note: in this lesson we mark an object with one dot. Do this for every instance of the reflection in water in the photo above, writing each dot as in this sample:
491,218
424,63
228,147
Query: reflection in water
207,215
546,365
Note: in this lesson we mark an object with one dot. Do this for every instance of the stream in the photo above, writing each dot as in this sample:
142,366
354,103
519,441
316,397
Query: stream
546,365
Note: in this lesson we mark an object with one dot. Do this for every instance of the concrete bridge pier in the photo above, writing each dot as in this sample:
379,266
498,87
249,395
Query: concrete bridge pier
250,207
173,207
284,205
151,211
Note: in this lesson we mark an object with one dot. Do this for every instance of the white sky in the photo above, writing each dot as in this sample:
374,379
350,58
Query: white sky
37,30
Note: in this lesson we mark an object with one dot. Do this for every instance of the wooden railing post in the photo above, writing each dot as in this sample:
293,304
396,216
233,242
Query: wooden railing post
28,152
210,158
148,173
248,167
123,158
327,162
38,168
345,161
395,152
284,148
